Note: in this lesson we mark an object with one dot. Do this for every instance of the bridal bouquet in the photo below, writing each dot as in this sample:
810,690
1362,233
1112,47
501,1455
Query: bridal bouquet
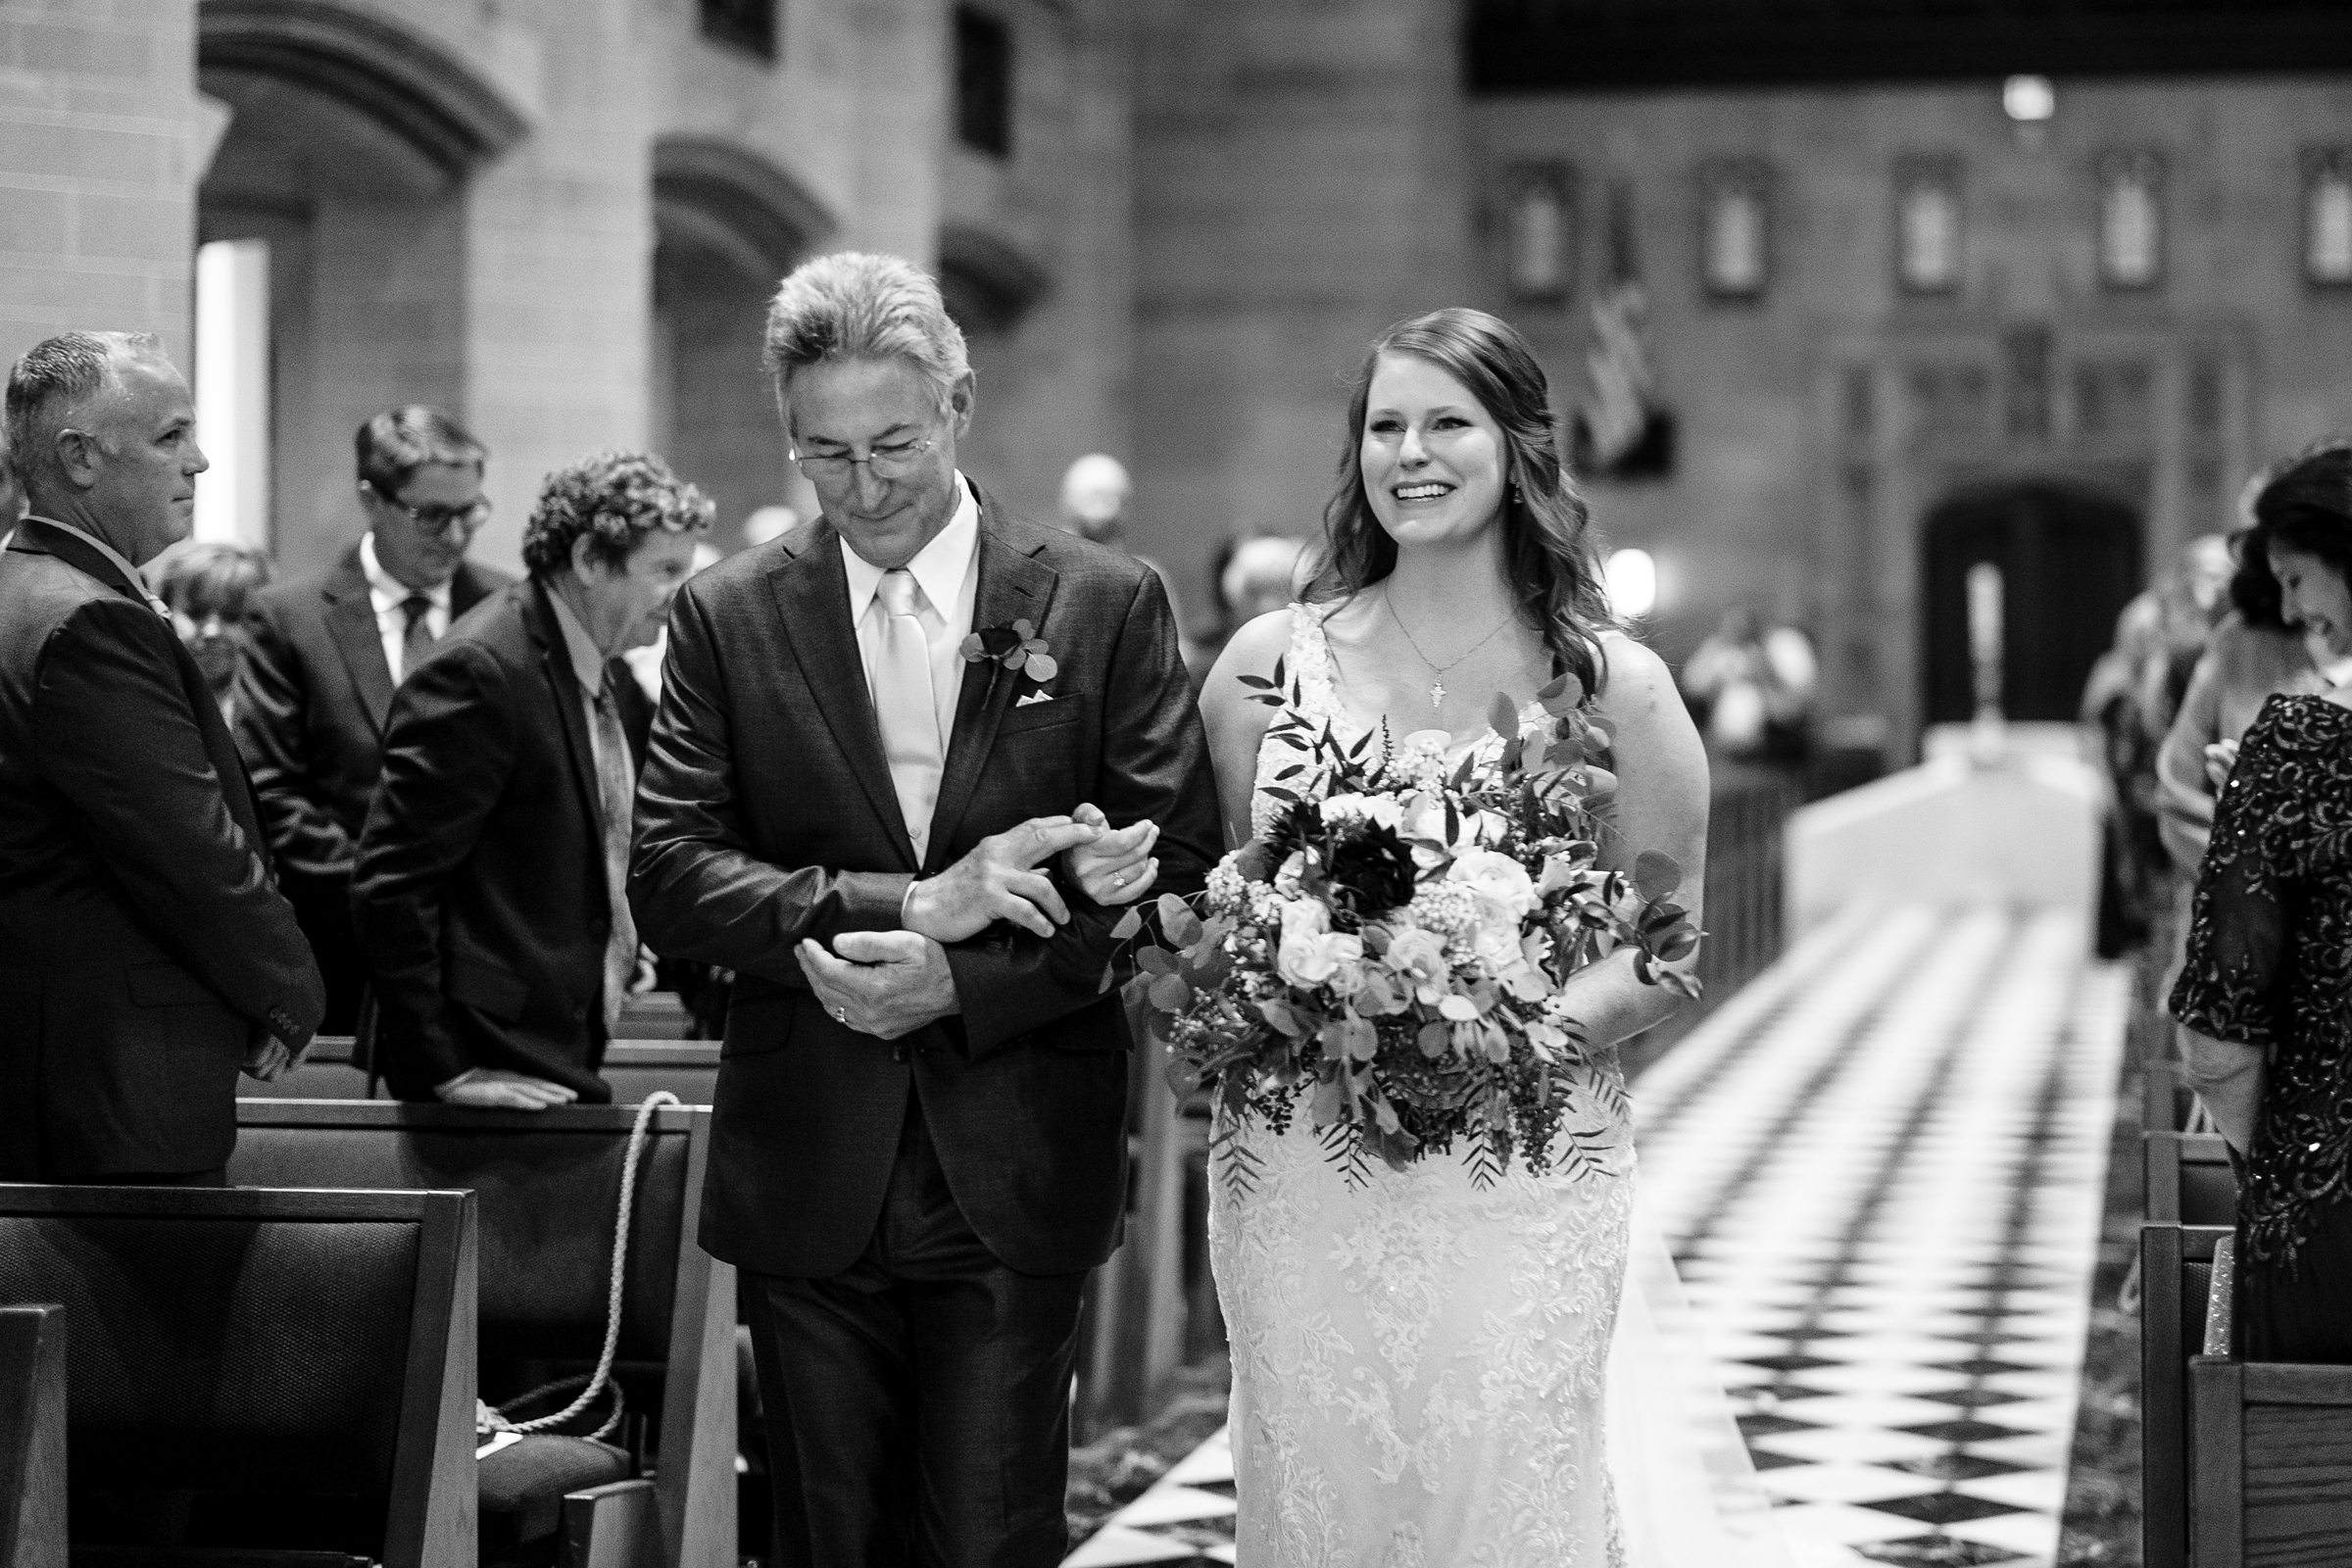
1388,953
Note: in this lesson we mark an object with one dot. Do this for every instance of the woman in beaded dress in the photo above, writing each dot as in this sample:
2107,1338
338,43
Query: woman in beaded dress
2265,997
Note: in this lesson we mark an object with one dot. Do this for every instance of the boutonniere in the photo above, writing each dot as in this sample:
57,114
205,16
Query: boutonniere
1016,647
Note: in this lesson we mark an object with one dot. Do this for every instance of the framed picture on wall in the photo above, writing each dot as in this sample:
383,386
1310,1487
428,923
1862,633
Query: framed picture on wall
2327,215
1540,230
2131,218
1734,228
1927,220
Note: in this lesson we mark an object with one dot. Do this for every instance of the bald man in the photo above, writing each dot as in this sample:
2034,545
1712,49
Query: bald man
145,951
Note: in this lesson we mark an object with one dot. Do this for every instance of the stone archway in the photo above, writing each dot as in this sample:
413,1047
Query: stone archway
2070,561
349,147
728,224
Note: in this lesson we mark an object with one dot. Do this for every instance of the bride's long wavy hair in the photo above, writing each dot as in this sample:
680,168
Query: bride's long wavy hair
1550,556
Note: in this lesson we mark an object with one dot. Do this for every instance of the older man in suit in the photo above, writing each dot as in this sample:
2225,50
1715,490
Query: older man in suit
921,1144
489,896
145,953
325,652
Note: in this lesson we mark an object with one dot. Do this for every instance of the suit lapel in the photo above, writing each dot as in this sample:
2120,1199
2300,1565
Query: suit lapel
1014,585
76,552
350,622
555,656
813,602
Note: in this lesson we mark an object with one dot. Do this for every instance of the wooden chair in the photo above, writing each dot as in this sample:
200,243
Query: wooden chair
2272,1463
32,1437
2175,1279
546,1183
256,1375
2189,1179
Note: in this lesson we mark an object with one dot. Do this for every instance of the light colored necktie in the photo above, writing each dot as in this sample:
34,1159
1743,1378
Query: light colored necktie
616,786
904,708
417,638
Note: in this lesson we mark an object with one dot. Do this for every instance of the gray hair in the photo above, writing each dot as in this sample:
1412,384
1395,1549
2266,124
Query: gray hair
53,379
852,305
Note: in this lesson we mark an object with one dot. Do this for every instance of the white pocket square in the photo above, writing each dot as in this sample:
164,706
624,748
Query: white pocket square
1033,699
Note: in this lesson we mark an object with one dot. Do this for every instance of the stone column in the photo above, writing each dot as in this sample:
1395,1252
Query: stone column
558,277
102,141
900,119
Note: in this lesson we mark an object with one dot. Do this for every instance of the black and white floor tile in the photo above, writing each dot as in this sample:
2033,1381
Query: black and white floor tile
1879,1168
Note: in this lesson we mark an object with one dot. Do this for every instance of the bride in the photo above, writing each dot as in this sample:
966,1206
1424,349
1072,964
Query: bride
1419,1364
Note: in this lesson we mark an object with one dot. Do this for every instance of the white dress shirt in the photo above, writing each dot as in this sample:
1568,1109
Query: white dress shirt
947,572
389,595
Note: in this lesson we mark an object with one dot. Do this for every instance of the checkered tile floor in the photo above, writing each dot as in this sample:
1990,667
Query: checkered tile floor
1881,1170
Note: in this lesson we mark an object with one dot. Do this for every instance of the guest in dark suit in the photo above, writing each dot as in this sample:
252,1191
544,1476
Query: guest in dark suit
327,651
489,891
921,1144
144,953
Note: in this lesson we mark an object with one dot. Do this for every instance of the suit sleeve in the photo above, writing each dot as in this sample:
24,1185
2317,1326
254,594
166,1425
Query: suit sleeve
1155,765
117,738
271,700
448,750
696,888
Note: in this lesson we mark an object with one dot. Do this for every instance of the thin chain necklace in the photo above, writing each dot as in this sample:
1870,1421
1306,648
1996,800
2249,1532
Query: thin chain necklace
1437,671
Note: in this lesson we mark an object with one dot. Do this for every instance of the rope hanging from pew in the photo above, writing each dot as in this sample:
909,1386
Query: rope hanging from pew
488,1420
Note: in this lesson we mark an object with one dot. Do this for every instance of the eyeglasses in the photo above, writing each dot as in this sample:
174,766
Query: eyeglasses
466,514
894,461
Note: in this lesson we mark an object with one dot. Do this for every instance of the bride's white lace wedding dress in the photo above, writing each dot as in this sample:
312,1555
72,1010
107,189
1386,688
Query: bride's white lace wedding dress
1420,1366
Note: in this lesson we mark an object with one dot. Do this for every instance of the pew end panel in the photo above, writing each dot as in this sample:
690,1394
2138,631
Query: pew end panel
2190,1180
243,1344
32,1437
2176,1273
548,1184
2273,1464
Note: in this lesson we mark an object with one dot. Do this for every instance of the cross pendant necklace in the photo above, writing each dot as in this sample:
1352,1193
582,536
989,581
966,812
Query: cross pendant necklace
1437,671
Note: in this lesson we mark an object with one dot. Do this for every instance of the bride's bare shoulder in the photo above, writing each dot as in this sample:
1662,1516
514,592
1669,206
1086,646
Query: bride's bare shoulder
1635,682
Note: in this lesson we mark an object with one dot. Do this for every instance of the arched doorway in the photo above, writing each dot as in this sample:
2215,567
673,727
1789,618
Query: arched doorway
2069,560
728,225
345,158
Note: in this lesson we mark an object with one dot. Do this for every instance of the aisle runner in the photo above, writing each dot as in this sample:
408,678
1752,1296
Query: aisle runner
1880,1170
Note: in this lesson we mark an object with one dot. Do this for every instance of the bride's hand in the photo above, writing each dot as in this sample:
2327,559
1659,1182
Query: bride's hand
1116,868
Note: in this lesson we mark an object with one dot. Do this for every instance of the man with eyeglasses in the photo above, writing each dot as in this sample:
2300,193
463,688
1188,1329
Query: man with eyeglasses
905,753
325,653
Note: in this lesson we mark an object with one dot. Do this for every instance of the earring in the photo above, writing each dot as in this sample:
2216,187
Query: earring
1518,496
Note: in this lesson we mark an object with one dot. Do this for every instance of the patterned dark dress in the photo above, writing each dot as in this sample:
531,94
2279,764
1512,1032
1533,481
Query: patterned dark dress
2270,965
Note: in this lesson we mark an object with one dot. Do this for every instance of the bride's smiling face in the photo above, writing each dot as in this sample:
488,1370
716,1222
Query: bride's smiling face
1433,457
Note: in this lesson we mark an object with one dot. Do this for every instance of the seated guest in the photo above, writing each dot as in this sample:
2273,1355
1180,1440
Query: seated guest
327,651
144,953
205,587
2265,994
488,895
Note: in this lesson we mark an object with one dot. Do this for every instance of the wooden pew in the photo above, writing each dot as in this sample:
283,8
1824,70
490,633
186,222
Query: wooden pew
686,1068
635,1069
2272,1463
2176,1274
2189,1179
546,1183
32,1437
2167,1102
235,1355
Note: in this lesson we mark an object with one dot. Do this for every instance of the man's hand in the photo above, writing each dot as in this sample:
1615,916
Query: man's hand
266,1055
884,983
1118,867
496,1089
998,881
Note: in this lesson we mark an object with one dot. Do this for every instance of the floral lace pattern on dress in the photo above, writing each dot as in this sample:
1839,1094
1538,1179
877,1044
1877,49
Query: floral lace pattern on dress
1418,1362
2269,958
